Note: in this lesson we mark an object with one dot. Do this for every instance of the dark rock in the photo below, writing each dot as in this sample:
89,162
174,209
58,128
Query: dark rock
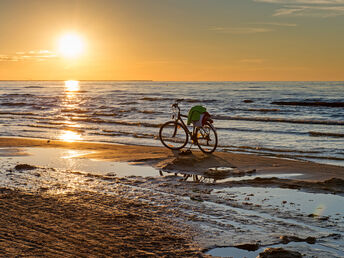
248,247
310,240
334,182
248,101
309,103
288,239
335,236
196,198
24,167
279,252
324,218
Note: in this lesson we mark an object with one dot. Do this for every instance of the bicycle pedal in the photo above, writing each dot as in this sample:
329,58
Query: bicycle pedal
186,152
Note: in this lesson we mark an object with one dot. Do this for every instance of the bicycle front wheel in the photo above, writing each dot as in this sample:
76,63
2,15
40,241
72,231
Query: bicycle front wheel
173,135
206,138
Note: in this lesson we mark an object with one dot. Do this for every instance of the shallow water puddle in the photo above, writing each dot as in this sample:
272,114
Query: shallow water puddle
315,205
224,179
71,160
236,252
238,178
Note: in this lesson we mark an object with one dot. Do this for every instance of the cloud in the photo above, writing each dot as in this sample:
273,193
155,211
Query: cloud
39,55
276,24
321,2
315,8
240,30
318,11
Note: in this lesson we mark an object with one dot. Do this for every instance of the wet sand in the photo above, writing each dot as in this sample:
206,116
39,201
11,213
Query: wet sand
197,163
86,224
49,212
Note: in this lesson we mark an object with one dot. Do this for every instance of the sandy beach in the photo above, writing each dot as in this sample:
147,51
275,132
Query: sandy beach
180,211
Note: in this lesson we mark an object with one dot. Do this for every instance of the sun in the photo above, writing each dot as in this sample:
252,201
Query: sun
71,45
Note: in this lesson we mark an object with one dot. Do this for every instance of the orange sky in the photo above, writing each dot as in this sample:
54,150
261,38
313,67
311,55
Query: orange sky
173,40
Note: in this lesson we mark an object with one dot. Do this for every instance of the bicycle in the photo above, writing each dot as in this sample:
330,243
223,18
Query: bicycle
175,134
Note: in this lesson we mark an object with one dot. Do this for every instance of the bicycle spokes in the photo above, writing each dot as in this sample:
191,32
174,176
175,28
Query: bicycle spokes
207,138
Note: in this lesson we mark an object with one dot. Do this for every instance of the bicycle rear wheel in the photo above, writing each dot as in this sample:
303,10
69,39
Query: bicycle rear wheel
206,138
173,135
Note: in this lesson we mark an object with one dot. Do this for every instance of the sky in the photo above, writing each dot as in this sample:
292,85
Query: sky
173,40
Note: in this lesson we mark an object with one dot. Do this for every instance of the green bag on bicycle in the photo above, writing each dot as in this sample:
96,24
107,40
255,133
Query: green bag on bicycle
195,114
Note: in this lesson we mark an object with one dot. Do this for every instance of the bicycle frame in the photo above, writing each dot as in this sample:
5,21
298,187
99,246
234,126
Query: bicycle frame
179,118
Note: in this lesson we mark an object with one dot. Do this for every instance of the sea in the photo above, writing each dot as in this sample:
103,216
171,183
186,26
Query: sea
292,120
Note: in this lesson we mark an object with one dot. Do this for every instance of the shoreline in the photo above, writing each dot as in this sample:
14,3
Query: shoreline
196,163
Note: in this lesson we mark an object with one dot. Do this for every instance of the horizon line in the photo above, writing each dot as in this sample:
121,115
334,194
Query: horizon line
182,80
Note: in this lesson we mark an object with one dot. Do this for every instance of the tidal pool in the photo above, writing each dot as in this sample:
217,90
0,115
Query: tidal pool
72,160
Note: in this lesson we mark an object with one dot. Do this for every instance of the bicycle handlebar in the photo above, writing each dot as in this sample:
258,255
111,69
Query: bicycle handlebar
175,104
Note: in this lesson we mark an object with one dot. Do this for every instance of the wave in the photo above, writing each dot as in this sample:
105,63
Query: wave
156,99
253,130
34,87
34,105
16,104
279,120
311,133
17,95
101,121
74,110
115,113
149,112
128,103
17,113
184,100
309,103
263,110
200,100
319,134
260,149
52,122
121,133
66,128
103,114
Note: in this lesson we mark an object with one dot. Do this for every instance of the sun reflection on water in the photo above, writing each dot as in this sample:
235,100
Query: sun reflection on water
319,210
72,86
69,108
70,136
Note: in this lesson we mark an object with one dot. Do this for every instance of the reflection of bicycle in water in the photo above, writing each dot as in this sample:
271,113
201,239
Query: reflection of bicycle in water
175,134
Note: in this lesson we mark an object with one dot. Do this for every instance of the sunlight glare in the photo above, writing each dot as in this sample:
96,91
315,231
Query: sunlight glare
319,210
74,154
72,85
71,45
70,136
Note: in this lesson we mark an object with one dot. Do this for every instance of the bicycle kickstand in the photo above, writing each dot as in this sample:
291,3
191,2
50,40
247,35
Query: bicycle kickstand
191,144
